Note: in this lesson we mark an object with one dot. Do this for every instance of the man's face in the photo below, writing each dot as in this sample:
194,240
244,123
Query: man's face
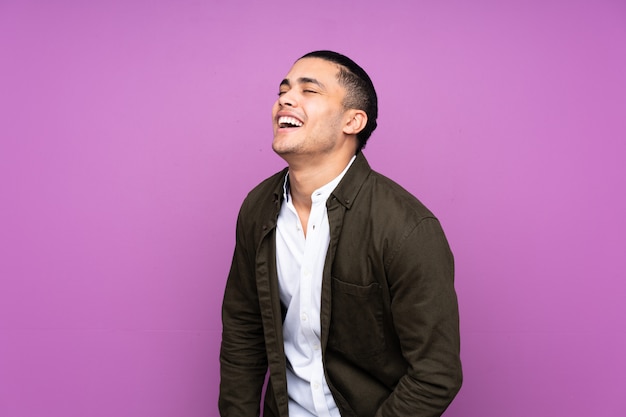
309,115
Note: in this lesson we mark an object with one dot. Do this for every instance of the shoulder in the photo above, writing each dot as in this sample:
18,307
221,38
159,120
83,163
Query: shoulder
386,194
404,222
366,188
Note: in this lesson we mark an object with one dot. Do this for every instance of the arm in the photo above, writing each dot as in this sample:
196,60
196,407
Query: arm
243,361
425,313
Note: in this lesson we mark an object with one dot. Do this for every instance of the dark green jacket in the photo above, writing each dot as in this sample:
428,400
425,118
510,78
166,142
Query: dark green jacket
389,316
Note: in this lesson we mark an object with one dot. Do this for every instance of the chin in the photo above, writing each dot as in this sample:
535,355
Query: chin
278,149
281,146
284,152
281,151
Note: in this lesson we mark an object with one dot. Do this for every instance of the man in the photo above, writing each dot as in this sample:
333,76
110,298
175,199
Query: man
341,282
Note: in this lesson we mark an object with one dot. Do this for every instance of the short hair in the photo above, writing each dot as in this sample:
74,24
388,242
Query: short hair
360,92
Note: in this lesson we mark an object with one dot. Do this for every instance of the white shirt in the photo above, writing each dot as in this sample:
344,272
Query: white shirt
300,263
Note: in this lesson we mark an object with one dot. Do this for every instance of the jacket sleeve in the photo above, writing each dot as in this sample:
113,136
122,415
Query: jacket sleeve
425,313
243,361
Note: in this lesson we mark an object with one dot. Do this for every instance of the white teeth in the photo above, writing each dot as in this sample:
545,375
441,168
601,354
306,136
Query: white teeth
291,121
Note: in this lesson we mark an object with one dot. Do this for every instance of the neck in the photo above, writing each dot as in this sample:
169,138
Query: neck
307,177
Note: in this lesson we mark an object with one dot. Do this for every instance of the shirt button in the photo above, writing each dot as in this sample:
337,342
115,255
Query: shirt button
316,347
316,386
304,317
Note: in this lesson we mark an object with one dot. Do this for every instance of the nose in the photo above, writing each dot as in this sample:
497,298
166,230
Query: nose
287,99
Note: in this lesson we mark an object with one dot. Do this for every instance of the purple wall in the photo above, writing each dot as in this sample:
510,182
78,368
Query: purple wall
132,130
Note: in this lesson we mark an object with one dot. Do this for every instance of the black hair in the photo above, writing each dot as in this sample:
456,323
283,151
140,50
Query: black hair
360,92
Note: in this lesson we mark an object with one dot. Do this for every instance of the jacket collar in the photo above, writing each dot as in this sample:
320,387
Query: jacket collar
347,189
350,185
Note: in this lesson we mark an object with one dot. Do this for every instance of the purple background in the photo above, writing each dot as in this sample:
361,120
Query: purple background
132,130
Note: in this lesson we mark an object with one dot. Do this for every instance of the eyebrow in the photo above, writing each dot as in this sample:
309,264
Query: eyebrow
303,80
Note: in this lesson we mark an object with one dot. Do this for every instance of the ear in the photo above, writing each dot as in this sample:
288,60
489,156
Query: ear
357,119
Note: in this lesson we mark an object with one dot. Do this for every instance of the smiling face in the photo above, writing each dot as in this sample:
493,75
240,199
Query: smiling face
309,117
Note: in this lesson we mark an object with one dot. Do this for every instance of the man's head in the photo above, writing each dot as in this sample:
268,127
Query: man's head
326,104
360,92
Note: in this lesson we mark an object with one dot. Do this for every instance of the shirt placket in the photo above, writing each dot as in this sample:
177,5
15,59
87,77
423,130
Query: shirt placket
309,314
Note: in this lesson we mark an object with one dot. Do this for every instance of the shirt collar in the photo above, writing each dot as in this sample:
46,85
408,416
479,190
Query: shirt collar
324,191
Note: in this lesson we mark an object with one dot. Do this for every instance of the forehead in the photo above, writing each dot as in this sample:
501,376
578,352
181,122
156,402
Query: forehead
314,68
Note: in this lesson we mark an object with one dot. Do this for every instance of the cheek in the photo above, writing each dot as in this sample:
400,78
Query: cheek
334,118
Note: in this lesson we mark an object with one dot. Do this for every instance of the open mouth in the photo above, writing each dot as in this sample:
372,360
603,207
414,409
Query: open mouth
288,122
